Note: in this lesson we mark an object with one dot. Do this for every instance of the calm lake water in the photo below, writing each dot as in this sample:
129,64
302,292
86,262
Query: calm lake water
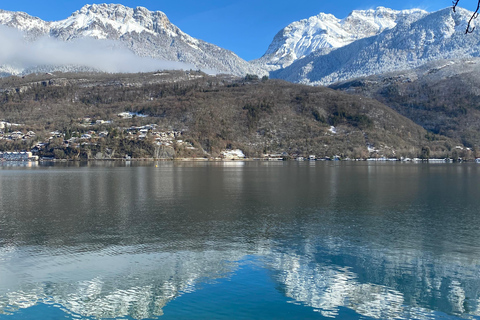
256,240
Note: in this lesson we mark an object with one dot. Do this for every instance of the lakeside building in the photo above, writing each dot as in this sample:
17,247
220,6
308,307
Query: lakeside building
17,156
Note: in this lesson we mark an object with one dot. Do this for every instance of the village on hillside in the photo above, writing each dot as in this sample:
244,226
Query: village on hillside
54,145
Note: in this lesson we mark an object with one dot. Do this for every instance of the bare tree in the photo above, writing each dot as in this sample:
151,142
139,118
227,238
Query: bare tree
474,15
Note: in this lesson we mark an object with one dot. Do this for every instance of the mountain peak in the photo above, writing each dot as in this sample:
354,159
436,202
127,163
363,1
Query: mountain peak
413,42
111,21
325,32
116,11
22,21
147,34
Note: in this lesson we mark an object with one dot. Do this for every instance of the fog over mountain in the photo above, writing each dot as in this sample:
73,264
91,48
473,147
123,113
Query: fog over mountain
144,33
48,54
320,50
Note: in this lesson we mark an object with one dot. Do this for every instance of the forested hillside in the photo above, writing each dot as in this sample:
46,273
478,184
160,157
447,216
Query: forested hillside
77,116
443,96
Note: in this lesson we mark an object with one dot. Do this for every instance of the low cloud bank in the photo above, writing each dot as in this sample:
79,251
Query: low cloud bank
102,55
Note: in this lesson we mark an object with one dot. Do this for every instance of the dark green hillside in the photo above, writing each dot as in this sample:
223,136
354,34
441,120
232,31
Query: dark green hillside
212,114
443,97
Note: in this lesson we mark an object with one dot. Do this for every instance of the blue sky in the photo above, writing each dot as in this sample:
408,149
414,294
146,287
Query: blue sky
244,26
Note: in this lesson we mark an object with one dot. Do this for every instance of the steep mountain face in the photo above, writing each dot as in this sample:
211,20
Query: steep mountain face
324,33
442,96
146,33
410,44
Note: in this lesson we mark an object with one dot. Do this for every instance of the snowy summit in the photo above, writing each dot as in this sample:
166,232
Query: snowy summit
143,32
324,32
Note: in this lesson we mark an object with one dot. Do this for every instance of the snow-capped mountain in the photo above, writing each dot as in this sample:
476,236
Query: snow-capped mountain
411,43
320,50
22,21
146,33
324,32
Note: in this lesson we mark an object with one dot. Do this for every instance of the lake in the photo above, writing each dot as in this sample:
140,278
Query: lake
241,240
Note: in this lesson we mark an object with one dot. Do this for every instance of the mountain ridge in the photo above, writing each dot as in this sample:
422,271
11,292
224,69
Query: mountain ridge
325,32
319,50
435,36
145,33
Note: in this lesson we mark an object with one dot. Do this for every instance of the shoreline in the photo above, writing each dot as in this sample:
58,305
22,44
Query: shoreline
407,160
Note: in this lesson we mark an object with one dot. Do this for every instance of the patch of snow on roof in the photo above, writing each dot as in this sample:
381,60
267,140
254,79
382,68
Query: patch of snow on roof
236,153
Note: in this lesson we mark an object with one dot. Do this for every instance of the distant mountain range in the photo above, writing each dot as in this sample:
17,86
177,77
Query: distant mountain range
319,50
323,33
411,43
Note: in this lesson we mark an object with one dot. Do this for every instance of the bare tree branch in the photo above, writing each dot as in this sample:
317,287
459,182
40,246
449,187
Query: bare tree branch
473,17
455,3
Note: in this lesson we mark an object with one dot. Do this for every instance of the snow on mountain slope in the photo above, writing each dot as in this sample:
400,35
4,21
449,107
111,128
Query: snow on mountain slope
325,32
112,21
319,50
146,33
435,36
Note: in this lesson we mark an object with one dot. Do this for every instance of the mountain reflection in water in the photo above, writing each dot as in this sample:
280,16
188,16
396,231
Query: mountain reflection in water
347,240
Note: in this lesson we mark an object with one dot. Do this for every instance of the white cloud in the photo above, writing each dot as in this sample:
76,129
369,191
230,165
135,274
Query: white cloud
103,55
